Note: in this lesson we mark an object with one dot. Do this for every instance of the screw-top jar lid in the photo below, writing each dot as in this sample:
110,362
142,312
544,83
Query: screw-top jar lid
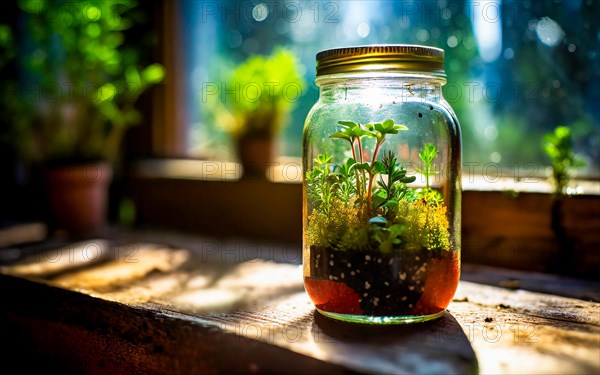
381,58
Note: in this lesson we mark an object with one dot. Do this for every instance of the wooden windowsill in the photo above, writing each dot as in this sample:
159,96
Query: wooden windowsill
289,170
134,306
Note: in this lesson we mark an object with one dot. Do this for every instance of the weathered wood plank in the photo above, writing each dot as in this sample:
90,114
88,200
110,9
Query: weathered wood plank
51,329
201,310
520,332
587,290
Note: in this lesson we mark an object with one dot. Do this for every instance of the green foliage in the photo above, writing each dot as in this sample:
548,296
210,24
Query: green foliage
388,237
7,45
427,154
347,213
366,171
558,146
345,175
90,79
261,92
320,183
393,188
380,130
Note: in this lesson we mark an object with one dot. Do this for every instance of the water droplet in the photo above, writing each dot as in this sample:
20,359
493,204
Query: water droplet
452,41
495,157
260,12
549,31
363,30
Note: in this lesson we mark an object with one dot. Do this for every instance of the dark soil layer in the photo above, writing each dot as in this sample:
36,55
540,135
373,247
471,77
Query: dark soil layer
371,283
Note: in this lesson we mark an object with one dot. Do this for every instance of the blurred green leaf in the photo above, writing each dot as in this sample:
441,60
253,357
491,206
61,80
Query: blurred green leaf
558,146
153,74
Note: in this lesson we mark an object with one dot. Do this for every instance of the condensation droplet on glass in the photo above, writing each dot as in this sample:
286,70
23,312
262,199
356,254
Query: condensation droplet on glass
495,157
260,12
363,30
422,35
469,42
452,41
549,31
491,132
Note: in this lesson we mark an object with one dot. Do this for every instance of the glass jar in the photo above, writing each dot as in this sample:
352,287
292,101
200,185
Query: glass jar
382,186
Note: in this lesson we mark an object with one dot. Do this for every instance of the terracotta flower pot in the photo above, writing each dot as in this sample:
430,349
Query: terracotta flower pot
255,154
78,196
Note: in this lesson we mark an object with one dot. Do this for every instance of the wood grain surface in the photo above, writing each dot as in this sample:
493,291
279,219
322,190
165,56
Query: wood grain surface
97,307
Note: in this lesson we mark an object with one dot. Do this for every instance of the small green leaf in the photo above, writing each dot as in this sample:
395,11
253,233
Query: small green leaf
379,167
396,230
391,204
428,153
133,78
323,159
389,123
341,135
378,201
363,166
105,92
153,74
380,193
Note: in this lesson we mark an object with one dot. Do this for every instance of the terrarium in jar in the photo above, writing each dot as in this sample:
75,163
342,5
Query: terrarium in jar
382,186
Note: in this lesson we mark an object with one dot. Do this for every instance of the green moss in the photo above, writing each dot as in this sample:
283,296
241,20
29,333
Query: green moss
426,225
349,214
341,228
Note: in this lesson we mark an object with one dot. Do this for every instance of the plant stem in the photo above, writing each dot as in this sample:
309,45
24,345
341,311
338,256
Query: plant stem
355,171
370,188
352,148
360,153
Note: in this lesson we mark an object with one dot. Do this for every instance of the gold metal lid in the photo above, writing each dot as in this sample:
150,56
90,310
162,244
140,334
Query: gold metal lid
381,58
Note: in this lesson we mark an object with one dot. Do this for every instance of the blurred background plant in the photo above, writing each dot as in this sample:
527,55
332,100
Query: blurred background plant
558,146
254,98
78,79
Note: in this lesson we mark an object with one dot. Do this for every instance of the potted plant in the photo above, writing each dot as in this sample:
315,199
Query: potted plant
82,82
558,146
261,92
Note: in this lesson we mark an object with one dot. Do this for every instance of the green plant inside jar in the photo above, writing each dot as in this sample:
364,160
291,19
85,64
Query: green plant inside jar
377,245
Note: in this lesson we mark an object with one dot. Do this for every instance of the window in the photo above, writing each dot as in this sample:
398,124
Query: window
516,69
